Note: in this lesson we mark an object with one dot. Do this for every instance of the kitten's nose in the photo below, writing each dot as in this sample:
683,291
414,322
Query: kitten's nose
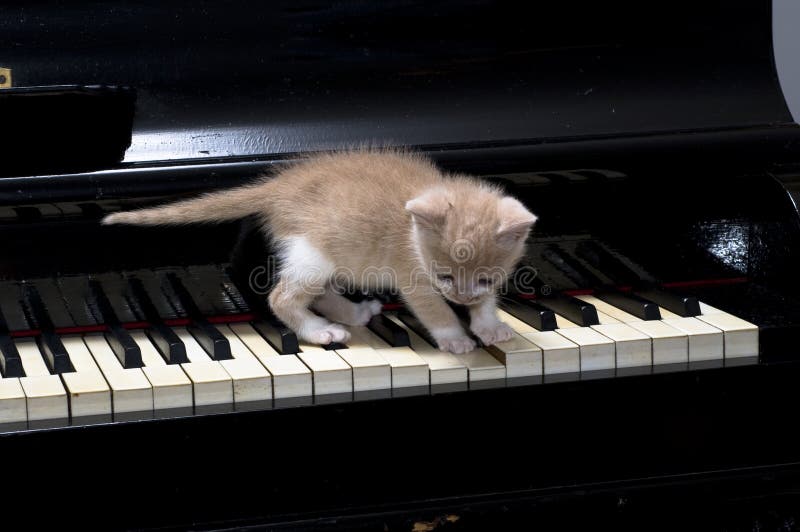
466,299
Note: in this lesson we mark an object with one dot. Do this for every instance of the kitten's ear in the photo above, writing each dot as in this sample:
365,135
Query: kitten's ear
515,222
430,209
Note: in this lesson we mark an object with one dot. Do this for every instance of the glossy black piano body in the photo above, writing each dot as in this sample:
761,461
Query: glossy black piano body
667,142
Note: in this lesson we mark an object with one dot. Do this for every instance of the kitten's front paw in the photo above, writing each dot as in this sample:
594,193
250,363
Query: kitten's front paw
328,334
366,310
492,333
455,344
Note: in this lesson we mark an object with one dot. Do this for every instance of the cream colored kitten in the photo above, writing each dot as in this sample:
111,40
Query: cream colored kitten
379,220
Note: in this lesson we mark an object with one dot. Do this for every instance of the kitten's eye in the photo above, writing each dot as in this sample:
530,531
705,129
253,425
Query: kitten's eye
485,282
445,278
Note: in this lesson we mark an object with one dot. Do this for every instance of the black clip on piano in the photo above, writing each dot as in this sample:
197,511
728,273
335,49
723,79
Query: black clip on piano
654,369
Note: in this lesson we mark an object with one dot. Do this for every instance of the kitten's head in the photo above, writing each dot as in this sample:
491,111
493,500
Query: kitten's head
468,238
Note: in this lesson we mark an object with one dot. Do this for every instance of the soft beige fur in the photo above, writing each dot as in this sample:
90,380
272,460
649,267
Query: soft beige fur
378,219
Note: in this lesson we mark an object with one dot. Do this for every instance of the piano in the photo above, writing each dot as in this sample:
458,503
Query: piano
654,371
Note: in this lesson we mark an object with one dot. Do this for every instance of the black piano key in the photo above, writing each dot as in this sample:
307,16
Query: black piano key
202,294
151,284
531,312
116,289
334,346
389,331
75,291
233,292
606,263
126,349
685,306
13,308
279,336
54,303
213,341
631,303
570,266
573,309
168,344
212,281
164,338
413,323
10,362
55,353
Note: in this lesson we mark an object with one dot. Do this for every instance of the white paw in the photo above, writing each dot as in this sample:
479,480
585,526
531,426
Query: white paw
453,340
367,309
328,334
492,333
457,345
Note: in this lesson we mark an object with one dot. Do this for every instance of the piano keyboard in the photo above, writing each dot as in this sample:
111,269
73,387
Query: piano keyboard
245,365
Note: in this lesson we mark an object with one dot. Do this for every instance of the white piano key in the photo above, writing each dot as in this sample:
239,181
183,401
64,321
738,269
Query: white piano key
370,370
290,377
253,340
251,381
331,374
632,348
13,404
45,394
669,345
520,357
361,337
211,384
705,341
608,309
171,387
515,323
130,389
408,369
564,323
705,308
444,367
89,393
559,355
667,314
740,336
597,351
482,366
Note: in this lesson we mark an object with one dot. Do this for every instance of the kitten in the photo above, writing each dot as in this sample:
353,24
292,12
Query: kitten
378,220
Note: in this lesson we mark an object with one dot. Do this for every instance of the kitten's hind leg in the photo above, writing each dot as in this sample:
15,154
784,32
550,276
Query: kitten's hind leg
336,307
290,301
305,272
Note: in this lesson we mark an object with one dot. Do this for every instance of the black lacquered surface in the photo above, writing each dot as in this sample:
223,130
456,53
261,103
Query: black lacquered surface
249,78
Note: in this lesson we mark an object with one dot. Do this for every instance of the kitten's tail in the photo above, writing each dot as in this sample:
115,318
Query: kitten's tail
213,207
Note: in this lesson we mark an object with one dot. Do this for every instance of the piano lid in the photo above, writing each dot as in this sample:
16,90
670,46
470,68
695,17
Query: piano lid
248,78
